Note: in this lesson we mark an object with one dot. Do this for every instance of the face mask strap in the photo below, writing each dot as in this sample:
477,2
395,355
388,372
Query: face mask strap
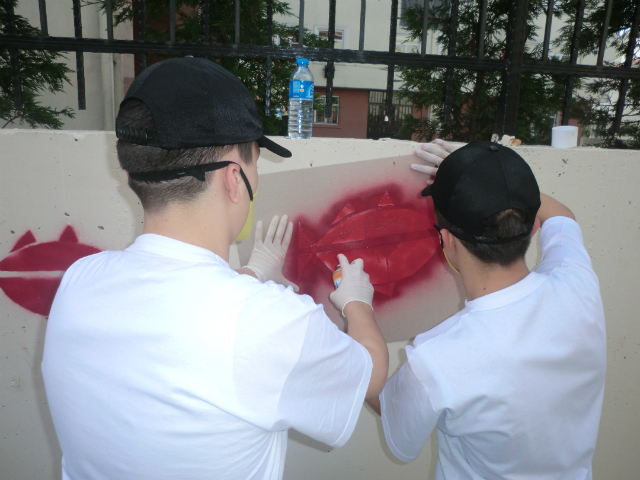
445,254
447,259
196,171
246,182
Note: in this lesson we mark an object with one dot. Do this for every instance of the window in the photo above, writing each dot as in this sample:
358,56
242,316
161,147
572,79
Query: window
338,39
407,48
293,41
404,45
318,116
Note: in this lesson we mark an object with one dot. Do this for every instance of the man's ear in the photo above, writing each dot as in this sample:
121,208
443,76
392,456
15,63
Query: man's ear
232,181
448,240
536,226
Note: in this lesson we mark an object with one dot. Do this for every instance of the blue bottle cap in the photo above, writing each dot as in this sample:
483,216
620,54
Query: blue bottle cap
302,61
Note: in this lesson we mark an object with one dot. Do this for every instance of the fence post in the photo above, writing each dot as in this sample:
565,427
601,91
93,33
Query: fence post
605,30
13,53
575,45
330,69
624,83
77,23
206,37
237,29
301,25
267,88
44,26
451,52
363,9
425,26
391,68
547,31
510,95
482,26
172,20
142,23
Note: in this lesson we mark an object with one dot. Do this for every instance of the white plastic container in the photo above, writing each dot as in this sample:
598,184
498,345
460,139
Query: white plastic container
565,136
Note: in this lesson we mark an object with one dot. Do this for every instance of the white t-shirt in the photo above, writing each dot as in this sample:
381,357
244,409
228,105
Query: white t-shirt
514,381
161,362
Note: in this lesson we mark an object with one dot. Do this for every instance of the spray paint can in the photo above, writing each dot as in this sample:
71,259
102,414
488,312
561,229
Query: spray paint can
337,276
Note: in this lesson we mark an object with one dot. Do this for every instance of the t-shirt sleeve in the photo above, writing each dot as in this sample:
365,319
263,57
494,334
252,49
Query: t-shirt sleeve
561,243
408,417
323,394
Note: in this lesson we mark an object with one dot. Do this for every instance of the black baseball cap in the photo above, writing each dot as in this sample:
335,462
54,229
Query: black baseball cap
479,180
195,103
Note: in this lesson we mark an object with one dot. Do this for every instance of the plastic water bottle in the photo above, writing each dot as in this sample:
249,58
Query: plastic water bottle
301,100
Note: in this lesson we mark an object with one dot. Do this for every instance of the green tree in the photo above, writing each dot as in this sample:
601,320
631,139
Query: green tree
39,71
599,96
253,31
476,94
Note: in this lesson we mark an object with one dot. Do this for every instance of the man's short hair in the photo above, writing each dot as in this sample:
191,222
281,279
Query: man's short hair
155,196
508,223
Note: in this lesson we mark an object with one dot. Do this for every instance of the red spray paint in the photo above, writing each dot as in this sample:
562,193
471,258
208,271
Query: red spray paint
394,237
32,293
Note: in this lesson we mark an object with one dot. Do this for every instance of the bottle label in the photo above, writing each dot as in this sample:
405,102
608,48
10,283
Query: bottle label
301,89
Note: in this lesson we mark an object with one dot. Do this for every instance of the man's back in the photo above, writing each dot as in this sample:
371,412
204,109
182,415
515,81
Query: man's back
514,381
162,362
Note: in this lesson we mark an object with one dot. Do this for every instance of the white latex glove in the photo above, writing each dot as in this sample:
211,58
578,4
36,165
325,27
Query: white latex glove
433,153
267,258
354,285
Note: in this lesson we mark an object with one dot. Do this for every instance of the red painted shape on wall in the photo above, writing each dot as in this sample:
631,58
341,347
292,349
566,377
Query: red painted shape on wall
33,293
48,256
395,239
24,240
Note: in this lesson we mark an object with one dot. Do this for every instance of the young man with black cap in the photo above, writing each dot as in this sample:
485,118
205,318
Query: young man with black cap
514,381
160,361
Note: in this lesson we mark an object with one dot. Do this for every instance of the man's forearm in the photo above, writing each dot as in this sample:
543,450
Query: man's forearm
364,330
550,207
374,403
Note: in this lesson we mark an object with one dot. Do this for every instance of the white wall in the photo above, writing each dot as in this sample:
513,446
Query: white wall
49,180
377,29
103,71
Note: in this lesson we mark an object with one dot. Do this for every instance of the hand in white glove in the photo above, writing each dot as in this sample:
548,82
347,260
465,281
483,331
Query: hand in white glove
267,258
354,285
433,153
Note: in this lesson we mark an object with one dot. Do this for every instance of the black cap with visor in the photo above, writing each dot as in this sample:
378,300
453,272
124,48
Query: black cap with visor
479,180
194,103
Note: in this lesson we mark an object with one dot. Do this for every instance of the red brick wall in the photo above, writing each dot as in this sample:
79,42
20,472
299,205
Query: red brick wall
352,119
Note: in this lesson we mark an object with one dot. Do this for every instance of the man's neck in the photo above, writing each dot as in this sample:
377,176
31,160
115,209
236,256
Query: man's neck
481,279
188,224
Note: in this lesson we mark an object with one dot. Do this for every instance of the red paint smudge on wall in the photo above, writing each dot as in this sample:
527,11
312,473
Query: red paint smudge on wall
394,237
33,293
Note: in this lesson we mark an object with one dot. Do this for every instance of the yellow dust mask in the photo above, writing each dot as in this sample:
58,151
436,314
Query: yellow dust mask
246,230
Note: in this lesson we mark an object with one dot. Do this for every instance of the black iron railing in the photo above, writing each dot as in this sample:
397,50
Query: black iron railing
513,65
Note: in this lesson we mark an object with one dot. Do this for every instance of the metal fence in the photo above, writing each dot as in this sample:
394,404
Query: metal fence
513,65
382,122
